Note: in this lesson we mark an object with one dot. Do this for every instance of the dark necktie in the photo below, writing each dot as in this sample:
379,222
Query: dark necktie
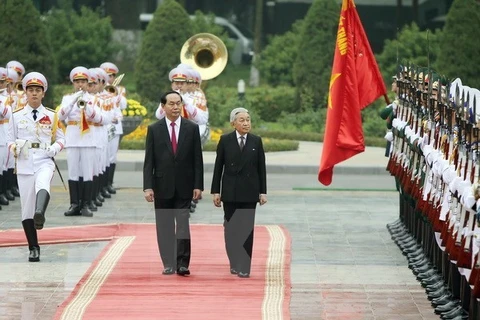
242,142
174,138
34,111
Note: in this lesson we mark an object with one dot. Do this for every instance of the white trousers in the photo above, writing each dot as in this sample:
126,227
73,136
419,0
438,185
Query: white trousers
113,149
3,159
80,163
10,160
30,184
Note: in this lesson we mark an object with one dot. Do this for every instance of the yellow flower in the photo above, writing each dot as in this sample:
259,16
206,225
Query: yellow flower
134,108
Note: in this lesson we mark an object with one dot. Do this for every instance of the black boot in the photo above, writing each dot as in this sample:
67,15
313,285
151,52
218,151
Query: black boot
96,190
74,209
6,186
103,185
3,189
13,183
111,173
87,199
41,203
31,234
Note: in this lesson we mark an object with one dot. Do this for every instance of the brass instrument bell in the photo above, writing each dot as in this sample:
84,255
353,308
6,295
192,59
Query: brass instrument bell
206,53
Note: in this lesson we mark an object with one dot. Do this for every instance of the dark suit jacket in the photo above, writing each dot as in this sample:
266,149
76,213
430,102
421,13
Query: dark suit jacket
242,173
165,172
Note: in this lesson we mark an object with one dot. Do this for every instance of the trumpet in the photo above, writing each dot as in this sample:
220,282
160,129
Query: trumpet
18,88
81,103
112,88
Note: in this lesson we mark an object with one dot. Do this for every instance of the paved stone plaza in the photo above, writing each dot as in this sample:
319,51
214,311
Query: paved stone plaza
344,264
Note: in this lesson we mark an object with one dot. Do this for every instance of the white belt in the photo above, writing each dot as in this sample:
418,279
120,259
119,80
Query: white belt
37,145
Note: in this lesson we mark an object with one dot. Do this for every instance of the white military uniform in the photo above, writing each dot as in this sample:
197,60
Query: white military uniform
31,139
5,114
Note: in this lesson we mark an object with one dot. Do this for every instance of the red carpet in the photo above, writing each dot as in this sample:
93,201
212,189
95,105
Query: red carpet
125,281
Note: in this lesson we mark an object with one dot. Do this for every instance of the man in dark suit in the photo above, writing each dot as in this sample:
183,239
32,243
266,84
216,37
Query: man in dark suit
172,175
240,170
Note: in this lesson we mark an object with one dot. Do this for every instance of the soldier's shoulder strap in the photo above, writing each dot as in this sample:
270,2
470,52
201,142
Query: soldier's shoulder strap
18,109
50,109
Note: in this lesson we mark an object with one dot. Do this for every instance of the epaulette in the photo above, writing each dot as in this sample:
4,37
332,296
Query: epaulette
50,109
18,109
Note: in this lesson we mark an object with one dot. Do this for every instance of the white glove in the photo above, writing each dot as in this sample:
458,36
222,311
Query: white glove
51,152
13,148
76,96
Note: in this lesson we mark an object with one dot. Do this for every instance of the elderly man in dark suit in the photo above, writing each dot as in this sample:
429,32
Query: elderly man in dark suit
172,175
240,174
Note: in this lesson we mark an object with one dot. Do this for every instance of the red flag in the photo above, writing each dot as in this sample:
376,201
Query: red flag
355,83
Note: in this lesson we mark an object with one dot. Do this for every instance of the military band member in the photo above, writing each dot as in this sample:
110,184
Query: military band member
120,101
79,113
178,78
5,114
34,137
20,99
100,134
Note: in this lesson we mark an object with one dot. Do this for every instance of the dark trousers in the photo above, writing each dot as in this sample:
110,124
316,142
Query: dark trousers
239,221
173,231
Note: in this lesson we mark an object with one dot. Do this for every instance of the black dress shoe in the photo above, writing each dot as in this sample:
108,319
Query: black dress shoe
446,307
15,191
243,275
183,271
9,195
34,255
442,300
168,271
458,311
233,271
3,200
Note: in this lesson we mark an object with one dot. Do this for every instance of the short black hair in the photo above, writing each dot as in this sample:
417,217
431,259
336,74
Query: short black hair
163,98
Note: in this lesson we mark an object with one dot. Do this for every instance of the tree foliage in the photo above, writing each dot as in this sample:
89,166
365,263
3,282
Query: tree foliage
413,46
79,39
160,49
459,45
24,38
277,59
313,65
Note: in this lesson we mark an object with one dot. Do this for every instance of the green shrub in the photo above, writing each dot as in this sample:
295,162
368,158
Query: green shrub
276,60
78,39
312,69
264,103
458,56
25,39
160,49
269,145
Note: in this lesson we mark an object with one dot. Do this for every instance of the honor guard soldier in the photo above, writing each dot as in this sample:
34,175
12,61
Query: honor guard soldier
5,113
34,136
120,100
79,113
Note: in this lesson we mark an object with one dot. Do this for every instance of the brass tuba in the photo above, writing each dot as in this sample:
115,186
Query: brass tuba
206,53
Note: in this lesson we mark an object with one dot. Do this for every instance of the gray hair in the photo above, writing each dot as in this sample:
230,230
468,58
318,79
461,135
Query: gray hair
233,114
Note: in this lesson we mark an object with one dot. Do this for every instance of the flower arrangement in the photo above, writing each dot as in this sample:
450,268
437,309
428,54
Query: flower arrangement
215,135
134,109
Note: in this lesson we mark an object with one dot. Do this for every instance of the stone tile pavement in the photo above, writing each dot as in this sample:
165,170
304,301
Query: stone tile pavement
344,264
